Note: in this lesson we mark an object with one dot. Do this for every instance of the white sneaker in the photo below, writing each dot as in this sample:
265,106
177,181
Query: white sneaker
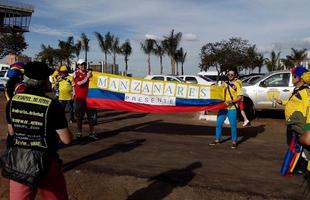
93,136
246,123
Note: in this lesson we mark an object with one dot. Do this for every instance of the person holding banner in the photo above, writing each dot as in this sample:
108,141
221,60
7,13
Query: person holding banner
81,82
232,95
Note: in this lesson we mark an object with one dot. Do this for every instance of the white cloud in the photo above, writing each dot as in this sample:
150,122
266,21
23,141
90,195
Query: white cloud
154,37
189,37
41,29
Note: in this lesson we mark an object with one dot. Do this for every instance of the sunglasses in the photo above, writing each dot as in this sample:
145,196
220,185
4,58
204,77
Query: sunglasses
230,74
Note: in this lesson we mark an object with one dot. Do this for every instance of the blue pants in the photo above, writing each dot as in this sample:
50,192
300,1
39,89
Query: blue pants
232,117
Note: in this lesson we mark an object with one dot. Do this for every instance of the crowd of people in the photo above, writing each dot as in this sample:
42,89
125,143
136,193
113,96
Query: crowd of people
37,145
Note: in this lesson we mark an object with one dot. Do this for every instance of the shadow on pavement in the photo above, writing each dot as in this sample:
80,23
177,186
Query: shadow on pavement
163,184
131,116
250,132
122,147
102,135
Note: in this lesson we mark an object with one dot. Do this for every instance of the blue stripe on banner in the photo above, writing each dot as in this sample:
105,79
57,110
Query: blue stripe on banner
98,93
196,102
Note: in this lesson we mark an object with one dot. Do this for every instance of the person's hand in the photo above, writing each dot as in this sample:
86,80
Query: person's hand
278,101
89,74
228,102
304,139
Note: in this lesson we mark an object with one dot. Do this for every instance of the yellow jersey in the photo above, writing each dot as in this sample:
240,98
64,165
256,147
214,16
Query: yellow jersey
235,89
299,101
66,85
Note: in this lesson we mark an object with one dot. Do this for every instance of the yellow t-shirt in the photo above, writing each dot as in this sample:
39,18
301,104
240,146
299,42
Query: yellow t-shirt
298,102
235,88
66,88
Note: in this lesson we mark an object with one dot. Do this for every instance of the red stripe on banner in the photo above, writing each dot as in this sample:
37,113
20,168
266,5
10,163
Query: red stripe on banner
123,105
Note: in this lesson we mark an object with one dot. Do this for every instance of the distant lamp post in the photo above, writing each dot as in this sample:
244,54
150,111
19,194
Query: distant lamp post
102,66
88,64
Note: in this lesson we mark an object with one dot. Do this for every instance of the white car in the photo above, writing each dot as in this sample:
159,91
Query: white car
164,78
196,79
3,79
260,94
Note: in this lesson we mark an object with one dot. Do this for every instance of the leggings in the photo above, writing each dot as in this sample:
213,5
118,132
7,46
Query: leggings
232,117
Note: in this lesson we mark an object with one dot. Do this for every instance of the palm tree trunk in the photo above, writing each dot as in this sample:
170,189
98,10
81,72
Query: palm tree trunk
172,67
177,68
149,64
114,63
126,66
182,69
105,63
85,56
161,64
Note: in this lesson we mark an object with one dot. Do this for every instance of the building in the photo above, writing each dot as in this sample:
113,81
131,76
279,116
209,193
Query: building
11,58
15,16
306,62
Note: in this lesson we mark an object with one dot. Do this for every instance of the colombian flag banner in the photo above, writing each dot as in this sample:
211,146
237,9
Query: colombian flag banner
108,91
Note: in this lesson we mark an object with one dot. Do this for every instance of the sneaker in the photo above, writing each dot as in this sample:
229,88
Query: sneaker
93,136
78,135
72,121
234,145
215,142
246,123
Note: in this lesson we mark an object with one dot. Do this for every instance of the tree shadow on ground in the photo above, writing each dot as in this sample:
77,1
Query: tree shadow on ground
107,134
163,184
122,147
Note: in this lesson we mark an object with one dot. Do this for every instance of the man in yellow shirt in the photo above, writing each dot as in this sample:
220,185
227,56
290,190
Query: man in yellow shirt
65,84
297,114
232,95
299,101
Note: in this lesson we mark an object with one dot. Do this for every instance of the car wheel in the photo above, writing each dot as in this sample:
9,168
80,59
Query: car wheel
249,108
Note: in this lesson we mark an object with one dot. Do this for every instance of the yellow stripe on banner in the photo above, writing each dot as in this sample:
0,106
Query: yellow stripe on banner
28,98
129,85
295,162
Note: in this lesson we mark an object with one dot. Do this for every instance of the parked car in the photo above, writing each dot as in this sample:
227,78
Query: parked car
259,95
3,79
164,78
250,79
195,79
213,75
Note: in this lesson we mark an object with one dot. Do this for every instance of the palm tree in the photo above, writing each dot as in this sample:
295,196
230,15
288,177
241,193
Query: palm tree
160,52
115,49
182,57
148,47
126,51
78,47
85,44
170,45
66,50
47,54
273,63
297,56
105,45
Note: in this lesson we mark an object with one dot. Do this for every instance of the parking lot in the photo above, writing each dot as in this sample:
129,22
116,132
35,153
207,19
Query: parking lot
166,156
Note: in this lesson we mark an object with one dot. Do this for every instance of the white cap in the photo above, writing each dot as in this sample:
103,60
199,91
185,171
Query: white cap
80,61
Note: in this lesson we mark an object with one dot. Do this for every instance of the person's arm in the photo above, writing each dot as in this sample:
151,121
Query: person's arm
65,135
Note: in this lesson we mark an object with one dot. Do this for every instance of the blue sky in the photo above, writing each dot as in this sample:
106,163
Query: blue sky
270,24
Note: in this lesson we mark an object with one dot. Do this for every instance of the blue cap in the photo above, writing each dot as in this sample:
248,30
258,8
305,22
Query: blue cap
299,70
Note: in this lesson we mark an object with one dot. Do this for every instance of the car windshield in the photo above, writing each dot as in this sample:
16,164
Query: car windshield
206,78
2,73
